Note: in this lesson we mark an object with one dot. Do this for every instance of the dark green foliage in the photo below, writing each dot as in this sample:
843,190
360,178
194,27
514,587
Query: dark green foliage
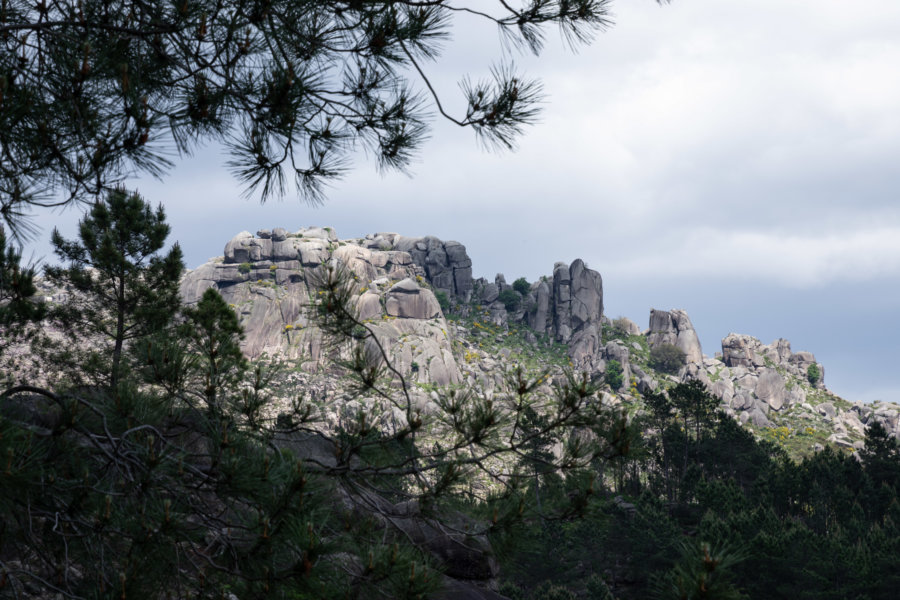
133,490
511,299
721,515
667,358
124,288
549,591
614,374
211,332
443,300
702,572
597,589
95,90
17,290
813,374
522,286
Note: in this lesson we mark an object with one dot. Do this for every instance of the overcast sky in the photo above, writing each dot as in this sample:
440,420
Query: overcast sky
735,158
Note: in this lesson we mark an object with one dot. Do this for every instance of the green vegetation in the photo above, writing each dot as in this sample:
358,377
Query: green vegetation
17,290
510,299
522,286
613,375
245,267
701,509
813,374
126,289
637,345
443,301
159,443
667,358
533,352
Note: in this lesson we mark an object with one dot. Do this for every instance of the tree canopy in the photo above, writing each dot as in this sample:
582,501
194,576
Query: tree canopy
94,91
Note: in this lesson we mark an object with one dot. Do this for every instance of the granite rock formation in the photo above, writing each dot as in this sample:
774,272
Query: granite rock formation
269,279
674,327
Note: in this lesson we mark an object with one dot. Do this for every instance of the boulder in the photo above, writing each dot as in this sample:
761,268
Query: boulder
489,293
739,350
586,290
585,347
756,416
369,306
446,265
687,338
770,388
827,410
236,250
407,300
627,326
562,298
539,318
675,328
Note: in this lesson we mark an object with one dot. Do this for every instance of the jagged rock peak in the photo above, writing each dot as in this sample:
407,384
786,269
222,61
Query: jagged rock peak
740,350
569,303
447,266
674,327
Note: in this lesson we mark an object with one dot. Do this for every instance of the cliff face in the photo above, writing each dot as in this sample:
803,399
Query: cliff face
269,279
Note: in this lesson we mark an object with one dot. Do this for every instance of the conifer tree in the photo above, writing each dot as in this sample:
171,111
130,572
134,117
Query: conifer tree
123,288
92,91
17,290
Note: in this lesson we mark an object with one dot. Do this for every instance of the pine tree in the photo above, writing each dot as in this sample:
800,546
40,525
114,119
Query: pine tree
17,290
176,477
94,90
123,289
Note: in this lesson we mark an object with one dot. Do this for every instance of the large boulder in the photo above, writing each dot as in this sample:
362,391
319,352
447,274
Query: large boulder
771,389
674,327
407,300
446,265
741,351
586,290
562,300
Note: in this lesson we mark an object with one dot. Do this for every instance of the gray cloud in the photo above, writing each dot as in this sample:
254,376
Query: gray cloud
736,159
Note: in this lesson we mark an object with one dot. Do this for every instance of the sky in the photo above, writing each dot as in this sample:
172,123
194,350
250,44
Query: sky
734,158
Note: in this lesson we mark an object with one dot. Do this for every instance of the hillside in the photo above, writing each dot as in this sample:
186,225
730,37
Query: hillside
444,327
421,433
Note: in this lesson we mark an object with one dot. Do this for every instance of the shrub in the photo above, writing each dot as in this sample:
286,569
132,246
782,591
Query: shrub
667,358
613,375
620,324
510,299
522,286
813,374
443,300
550,591
244,267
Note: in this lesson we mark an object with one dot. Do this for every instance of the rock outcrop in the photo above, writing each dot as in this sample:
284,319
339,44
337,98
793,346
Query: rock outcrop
569,310
270,276
674,327
445,264
269,280
757,381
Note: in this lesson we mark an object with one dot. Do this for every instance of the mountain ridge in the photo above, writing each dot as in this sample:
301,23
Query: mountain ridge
403,281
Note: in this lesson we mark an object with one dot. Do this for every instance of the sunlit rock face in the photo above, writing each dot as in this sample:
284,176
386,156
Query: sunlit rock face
674,327
270,278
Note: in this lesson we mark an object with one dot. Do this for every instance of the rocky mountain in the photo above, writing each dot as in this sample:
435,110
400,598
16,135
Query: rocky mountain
484,325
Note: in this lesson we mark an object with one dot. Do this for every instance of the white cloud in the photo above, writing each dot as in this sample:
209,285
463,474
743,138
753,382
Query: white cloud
788,260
